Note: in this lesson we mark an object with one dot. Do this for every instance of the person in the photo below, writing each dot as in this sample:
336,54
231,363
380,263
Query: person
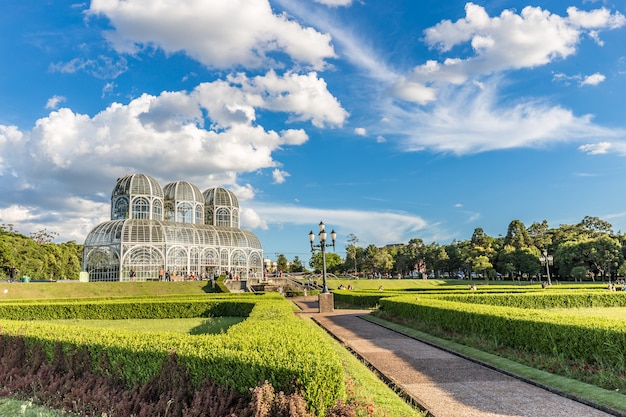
380,288
160,274
168,275
132,274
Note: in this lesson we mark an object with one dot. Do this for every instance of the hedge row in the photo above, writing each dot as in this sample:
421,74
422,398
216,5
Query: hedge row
138,309
272,344
543,300
590,339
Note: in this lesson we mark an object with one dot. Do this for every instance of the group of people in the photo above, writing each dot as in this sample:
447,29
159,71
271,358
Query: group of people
614,287
342,287
178,275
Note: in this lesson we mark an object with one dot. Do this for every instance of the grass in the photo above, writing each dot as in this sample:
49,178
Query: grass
15,408
76,289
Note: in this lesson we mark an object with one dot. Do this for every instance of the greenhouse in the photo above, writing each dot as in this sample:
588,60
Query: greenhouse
173,233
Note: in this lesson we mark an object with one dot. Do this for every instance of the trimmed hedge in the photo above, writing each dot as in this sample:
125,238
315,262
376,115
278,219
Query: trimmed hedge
543,300
589,339
272,344
137,309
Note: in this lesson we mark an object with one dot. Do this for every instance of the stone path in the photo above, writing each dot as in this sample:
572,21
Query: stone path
444,384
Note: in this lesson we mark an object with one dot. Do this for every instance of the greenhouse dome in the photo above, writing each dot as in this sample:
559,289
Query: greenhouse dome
221,207
163,232
184,203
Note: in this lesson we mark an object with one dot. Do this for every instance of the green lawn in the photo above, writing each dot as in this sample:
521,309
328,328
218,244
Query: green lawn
76,289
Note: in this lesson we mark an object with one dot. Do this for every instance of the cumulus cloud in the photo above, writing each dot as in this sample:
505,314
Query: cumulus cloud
529,39
209,136
169,127
219,34
360,131
305,96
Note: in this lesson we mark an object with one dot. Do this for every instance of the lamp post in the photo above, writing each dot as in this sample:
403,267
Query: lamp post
547,260
326,297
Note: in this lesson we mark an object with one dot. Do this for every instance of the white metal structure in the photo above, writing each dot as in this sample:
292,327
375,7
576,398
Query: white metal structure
176,230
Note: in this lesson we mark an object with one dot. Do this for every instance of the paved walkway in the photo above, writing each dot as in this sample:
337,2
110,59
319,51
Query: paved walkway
444,384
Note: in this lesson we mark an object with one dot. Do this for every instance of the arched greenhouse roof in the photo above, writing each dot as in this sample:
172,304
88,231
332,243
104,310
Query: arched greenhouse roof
137,184
170,233
182,191
220,197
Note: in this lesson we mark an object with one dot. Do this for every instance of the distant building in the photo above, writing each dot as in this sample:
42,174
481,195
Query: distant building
174,231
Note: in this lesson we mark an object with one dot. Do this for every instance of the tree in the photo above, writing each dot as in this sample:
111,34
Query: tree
481,263
296,265
351,250
332,261
282,263
517,235
539,235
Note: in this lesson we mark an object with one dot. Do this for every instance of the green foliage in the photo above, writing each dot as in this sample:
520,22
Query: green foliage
332,260
271,344
532,330
37,257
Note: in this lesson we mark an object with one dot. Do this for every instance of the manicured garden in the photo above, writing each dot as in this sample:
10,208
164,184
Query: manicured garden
253,354
569,336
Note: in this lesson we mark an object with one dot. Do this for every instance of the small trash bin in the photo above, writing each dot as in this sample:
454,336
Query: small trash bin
25,278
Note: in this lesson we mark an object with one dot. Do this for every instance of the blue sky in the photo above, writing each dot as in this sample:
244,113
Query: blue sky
389,120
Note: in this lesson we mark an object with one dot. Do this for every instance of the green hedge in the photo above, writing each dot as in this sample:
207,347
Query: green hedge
271,344
361,299
137,309
577,338
542,300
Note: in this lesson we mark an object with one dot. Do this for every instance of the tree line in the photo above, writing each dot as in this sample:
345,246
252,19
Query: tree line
588,250
36,256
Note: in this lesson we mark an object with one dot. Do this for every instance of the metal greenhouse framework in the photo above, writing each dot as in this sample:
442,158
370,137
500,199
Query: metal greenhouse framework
175,231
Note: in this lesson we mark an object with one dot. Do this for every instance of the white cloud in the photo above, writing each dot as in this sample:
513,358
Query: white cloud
593,79
251,220
334,3
54,101
280,176
103,67
469,119
596,148
243,192
360,131
413,91
305,96
531,38
164,135
376,227
16,214
219,33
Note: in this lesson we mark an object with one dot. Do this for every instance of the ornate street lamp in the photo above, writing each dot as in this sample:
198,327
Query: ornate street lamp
547,260
322,247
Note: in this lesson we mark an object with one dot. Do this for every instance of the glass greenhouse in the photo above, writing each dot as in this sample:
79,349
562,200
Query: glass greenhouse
174,231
